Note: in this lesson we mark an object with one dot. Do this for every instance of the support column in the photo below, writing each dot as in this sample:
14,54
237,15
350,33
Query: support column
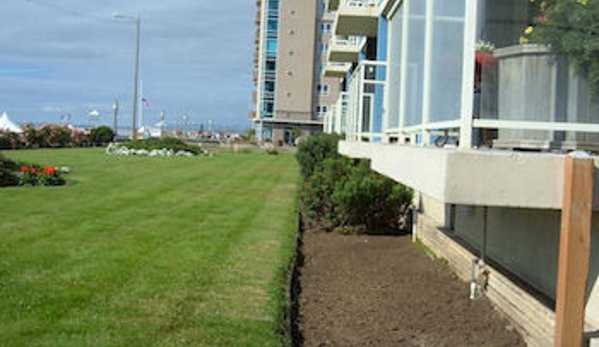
574,251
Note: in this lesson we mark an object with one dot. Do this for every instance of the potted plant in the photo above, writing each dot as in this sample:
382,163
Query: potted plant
569,27
552,76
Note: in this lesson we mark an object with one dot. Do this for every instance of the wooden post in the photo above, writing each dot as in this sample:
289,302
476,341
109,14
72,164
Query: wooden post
574,251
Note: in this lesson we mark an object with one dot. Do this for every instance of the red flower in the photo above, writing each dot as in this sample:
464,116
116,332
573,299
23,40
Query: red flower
24,168
49,170
33,170
485,59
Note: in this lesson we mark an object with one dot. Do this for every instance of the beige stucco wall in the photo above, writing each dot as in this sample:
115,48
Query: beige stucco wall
295,69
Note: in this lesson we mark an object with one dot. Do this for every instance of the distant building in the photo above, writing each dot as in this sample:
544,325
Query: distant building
292,93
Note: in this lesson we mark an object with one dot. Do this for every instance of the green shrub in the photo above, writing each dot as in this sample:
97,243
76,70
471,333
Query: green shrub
9,140
101,135
366,198
343,193
318,192
7,172
53,135
314,150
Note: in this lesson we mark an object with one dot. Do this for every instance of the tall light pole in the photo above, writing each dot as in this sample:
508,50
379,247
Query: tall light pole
115,110
135,83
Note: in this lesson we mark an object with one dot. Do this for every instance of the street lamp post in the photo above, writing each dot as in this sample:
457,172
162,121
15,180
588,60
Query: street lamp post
135,83
115,111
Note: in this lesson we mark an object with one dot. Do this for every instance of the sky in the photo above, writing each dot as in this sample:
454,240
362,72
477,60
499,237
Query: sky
62,59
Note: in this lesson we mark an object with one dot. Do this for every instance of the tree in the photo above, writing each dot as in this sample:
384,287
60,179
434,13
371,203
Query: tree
101,135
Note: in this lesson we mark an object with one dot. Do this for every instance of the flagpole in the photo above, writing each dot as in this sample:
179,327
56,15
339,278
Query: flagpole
141,106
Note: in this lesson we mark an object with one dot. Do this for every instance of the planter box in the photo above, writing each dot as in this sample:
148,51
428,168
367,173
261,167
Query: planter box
537,85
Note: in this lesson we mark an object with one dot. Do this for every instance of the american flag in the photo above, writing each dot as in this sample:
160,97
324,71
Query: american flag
146,102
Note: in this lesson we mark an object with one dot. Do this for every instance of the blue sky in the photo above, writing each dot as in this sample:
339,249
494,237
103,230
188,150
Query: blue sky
69,57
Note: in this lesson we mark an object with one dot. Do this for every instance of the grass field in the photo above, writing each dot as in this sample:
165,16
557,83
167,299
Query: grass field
140,251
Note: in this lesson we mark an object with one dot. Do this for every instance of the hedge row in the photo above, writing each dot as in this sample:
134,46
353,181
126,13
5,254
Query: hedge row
54,135
342,193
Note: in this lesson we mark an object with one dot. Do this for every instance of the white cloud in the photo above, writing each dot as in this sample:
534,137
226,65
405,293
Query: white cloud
62,55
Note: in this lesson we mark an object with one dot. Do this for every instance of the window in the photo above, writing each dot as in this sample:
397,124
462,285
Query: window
322,89
324,48
326,27
321,110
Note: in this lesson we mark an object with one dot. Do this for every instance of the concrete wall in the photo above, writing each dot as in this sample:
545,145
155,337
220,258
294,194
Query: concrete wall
534,320
524,242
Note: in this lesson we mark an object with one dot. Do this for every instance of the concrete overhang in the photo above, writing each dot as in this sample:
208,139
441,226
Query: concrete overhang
345,51
338,70
352,20
472,177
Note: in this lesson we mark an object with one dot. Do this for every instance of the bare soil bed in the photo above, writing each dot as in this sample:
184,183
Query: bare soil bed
386,291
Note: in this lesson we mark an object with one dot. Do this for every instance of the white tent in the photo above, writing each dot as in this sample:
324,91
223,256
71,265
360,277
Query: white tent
7,124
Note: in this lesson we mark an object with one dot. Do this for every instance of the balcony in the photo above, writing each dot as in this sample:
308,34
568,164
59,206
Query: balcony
365,102
335,121
345,49
357,18
337,70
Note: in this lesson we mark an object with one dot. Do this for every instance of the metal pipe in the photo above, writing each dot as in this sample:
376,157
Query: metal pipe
135,96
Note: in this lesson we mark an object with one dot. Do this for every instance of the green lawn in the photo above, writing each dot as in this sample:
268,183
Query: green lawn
140,251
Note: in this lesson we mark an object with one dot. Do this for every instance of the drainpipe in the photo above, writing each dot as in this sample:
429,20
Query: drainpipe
479,273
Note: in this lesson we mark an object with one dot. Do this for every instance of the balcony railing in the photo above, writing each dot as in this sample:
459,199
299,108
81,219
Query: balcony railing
365,102
345,48
335,120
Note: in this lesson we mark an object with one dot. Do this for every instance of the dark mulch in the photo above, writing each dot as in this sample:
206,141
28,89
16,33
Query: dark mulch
386,291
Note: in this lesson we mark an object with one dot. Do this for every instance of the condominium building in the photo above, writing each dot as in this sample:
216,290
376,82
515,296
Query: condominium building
444,98
292,92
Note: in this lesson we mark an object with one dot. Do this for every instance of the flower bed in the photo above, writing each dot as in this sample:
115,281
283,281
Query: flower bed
13,174
167,147
43,176
113,149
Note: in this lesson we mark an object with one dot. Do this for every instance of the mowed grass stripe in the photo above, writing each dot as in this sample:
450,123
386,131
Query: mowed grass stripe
121,259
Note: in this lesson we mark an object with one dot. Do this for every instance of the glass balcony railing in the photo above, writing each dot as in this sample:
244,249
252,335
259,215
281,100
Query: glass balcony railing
365,102
438,87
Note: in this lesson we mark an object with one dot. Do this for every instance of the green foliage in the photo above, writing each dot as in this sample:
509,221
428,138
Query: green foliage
570,27
366,198
53,135
7,172
319,190
344,193
314,150
30,136
171,143
101,135
10,140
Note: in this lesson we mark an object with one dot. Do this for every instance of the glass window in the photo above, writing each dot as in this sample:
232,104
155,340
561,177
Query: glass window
394,59
273,4
326,27
446,65
272,24
322,89
415,74
271,46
